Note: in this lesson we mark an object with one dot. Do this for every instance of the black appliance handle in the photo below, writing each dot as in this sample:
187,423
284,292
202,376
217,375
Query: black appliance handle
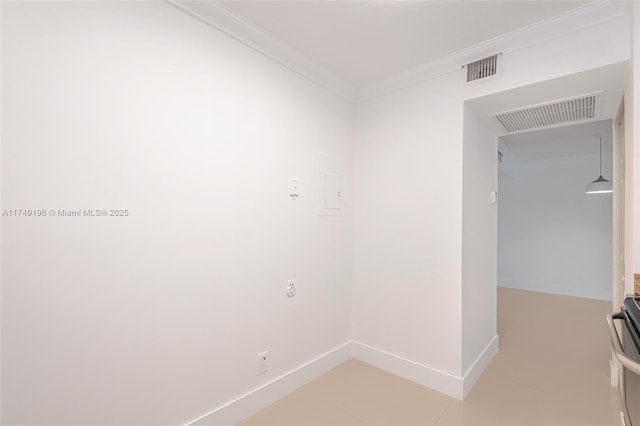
617,346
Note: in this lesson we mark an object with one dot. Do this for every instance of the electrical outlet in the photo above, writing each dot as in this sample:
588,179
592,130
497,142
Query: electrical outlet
291,288
263,360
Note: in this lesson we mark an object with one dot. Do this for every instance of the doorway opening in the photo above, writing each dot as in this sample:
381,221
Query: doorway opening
552,236
557,247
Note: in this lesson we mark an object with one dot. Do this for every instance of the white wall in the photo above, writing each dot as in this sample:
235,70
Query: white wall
632,139
407,216
479,227
409,210
552,237
632,181
158,317
510,163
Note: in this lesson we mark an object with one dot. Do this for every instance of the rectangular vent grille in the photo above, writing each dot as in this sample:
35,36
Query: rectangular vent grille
549,115
483,68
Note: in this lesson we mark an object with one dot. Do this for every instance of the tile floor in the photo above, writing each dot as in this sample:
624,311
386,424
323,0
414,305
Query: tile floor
552,369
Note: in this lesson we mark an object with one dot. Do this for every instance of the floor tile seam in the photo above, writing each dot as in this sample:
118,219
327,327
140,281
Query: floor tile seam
522,383
602,380
450,404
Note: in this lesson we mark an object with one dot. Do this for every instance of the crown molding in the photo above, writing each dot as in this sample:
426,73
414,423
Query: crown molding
219,17
557,26
235,26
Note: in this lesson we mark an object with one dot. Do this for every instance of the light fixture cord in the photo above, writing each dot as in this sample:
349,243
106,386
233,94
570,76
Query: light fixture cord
600,156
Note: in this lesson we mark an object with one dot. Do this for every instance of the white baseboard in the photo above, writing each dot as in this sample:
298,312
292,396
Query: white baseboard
430,377
435,379
238,409
557,289
475,371
265,395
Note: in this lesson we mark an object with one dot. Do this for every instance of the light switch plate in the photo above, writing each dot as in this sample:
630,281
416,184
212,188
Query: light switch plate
294,187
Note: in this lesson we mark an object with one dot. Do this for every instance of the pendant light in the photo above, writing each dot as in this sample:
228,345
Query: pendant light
600,185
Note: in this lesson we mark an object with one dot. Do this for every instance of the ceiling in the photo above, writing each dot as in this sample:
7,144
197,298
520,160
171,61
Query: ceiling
366,41
561,142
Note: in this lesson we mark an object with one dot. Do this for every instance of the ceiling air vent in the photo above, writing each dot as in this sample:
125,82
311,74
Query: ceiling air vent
551,114
483,68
